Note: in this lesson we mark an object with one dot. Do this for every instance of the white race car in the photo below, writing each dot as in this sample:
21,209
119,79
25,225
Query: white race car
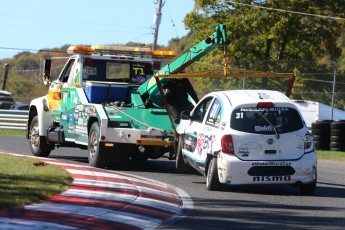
247,137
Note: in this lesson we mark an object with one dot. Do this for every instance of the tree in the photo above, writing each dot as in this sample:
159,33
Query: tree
258,33
269,32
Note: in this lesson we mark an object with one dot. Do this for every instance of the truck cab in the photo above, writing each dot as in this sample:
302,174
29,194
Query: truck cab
94,104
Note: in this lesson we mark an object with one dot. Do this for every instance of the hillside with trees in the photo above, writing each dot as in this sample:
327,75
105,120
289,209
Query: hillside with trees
304,37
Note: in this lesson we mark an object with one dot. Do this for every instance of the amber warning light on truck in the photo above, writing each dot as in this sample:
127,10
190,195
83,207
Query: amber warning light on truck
123,50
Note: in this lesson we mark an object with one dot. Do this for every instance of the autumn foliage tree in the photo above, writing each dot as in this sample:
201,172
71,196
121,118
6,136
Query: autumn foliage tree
273,31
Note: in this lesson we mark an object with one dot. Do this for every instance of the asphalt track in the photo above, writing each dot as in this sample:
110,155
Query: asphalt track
99,199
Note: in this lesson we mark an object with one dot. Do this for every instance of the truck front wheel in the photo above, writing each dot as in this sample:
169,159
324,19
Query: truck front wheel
94,147
38,144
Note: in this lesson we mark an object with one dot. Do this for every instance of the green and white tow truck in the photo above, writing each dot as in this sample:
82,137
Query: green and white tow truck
110,101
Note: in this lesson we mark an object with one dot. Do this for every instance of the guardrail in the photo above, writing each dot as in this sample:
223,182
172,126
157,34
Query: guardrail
13,119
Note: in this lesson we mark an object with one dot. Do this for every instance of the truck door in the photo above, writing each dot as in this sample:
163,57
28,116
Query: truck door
69,101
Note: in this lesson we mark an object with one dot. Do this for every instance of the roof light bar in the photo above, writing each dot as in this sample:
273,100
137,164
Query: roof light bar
124,50
79,50
121,49
163,53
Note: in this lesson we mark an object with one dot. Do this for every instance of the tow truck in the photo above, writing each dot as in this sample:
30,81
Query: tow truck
118,103
110,101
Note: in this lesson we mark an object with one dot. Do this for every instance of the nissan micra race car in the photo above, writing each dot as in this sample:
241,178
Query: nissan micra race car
242,137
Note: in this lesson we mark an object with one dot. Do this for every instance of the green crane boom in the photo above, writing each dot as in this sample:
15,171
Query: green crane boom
218,39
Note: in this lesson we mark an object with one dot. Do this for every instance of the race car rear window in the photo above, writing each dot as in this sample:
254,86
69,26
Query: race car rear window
266,120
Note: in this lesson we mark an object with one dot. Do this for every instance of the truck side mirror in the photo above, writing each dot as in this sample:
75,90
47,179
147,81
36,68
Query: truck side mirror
46,71
185,115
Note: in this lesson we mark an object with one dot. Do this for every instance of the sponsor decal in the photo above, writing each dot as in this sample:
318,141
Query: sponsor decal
223,125
264,128
271,178
205,142
272,163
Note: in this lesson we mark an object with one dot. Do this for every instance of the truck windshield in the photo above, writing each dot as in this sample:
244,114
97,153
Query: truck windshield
116,71
270,120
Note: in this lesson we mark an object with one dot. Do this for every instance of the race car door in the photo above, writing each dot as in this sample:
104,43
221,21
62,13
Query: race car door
201,131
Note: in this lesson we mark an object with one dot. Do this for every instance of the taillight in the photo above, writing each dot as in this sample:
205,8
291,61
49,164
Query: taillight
57,96
308,143
227,144
115,124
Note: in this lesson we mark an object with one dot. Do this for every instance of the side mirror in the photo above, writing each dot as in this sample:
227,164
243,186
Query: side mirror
46,74
185,115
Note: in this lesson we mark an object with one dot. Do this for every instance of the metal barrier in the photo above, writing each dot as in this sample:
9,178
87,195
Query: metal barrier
13,119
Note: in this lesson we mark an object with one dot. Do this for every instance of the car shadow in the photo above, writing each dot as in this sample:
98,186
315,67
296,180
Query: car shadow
330,190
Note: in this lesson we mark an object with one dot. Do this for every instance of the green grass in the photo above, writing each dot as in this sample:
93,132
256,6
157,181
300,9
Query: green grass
330,155
13,132
26,180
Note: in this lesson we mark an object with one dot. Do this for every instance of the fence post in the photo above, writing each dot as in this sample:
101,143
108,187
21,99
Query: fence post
333,90
5,76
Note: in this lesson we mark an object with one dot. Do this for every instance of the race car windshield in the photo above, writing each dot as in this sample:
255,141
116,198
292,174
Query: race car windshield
116,71
270,120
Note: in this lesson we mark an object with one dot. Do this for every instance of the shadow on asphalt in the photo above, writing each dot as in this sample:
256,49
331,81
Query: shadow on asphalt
156,166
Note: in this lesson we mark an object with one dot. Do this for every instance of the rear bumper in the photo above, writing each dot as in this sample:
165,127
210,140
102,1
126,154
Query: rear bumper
138,137
232,170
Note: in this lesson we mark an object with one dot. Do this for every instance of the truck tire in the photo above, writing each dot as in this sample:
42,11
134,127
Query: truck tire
212,179
180,164
38,144
94,149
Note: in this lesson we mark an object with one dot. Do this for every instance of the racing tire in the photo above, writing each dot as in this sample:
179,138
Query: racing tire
337,132
321,138
181,165
308,189
212,179
38,144
321,145
94,150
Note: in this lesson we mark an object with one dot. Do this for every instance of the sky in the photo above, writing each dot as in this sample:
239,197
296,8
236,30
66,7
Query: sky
40,24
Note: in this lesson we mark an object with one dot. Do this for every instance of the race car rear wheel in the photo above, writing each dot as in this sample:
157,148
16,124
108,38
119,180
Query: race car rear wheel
38,144
94,149
212,179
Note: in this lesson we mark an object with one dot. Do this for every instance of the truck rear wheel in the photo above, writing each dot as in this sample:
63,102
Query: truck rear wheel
94,147
38,144
180,164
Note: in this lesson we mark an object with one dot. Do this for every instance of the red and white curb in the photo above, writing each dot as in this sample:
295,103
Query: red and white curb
100,199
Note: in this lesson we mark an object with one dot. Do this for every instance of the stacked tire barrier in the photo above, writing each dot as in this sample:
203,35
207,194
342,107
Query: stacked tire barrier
337,135
329,135
321,131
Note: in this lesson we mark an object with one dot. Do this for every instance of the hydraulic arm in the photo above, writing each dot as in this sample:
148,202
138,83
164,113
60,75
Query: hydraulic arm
218,39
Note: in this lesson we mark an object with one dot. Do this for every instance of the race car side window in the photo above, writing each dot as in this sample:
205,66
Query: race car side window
200,111
215,113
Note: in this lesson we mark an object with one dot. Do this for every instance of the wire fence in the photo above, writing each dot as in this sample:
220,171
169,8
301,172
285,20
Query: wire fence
314,82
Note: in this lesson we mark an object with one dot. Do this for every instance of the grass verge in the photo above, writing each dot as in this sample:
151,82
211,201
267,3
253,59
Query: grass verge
330,155
13,132
26,180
